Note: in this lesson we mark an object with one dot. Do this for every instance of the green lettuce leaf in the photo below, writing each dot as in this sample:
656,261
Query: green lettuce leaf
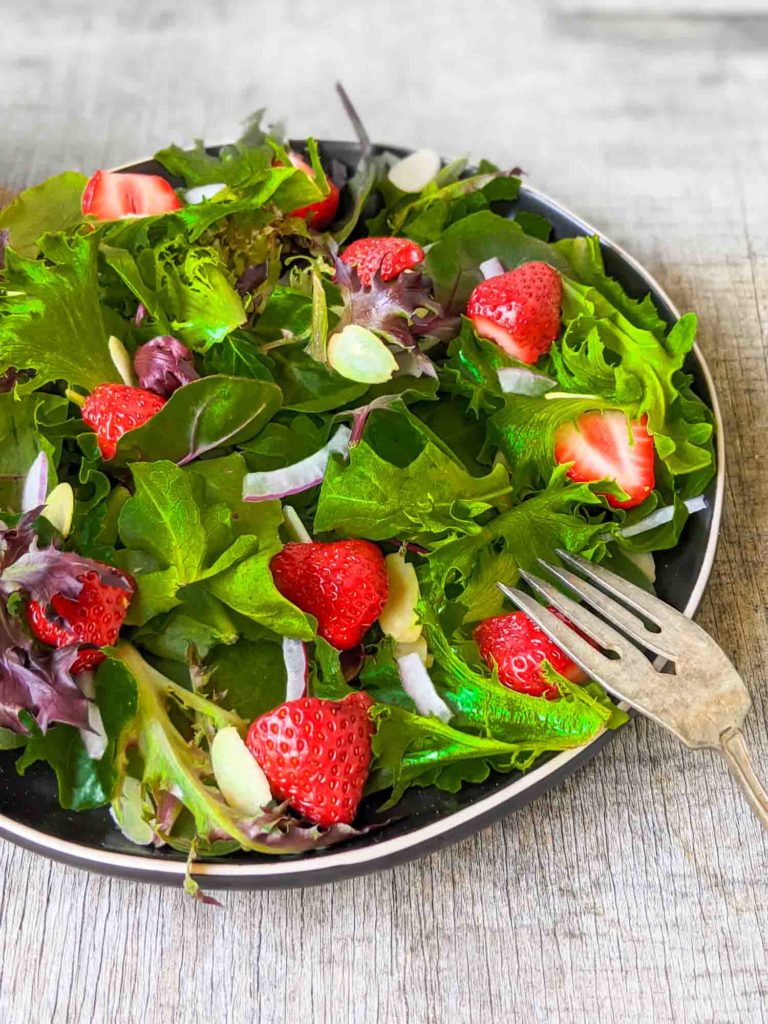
401,481
54,205
21,440
51,320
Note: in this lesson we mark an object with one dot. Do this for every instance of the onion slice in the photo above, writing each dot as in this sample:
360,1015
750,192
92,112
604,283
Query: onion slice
35,484
296,668
418,684
200,192
516,380
309,472
662,515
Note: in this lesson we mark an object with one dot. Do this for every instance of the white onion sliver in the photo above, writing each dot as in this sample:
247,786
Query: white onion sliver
296,529
95,736
296,668
662,515
309,472
35,484
491,268
418,684
515,380
201,192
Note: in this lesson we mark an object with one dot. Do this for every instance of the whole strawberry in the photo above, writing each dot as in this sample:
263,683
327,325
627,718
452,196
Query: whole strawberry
519,310
315,754
93,618
388,256
517,647
111,410
343,584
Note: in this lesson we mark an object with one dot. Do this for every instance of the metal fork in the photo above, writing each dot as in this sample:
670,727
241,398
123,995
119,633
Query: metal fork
703,703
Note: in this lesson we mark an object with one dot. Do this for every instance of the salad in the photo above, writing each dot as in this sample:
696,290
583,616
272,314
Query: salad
271,434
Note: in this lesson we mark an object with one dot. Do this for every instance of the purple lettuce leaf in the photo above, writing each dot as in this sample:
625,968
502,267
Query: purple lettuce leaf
43,572
163,365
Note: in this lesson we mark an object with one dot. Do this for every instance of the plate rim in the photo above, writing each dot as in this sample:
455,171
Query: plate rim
355,861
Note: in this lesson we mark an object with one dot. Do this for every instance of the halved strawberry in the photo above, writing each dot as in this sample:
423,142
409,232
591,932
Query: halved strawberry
320,214
608,446
315,754
110,196
517,647
389,256
519,310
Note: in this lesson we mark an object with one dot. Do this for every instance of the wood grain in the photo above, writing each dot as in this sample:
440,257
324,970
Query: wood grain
636,891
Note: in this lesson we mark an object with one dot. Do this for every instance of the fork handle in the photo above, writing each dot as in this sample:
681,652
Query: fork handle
734,749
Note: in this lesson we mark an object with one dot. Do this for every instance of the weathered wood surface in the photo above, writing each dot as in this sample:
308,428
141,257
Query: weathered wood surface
636,891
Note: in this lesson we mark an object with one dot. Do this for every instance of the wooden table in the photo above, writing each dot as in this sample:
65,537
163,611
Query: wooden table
637,890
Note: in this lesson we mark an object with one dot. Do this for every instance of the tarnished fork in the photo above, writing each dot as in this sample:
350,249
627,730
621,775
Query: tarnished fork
703,703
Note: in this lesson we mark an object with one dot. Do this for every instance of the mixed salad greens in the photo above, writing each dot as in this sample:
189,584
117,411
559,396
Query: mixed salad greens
270,435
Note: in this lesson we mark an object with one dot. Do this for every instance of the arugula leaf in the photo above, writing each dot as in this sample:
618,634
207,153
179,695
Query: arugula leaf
454,261
54,205
204,415
52,321
401,481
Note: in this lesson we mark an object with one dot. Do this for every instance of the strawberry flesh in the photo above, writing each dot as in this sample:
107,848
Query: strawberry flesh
110,195
93,618
519,310
320,214
608,446
111,410
315,754
386,256
343,584
517,647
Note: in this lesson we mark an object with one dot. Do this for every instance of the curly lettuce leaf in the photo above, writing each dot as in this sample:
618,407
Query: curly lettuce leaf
51,319
54,205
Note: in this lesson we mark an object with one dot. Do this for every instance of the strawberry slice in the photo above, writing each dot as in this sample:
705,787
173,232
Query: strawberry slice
389,256
607,446
320,214
111,196
517,647
519,310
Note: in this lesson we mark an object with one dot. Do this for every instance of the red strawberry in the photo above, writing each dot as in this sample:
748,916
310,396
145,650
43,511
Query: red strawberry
114,409
110,195
519,310
607,446
388,256
315,754
343,584
93,617
320,214
517,646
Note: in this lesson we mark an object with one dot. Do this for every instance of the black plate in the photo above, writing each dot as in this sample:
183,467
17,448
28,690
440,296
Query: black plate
425,819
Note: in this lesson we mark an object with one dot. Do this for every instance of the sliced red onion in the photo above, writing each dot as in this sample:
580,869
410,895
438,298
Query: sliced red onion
163,365
141,312
418,684
95,736
201,192
491,268
309,472
296,668
662,515
516,380
35,484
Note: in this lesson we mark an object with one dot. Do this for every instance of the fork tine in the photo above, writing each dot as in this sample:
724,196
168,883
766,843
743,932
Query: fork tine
639,600
588,658
616,613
